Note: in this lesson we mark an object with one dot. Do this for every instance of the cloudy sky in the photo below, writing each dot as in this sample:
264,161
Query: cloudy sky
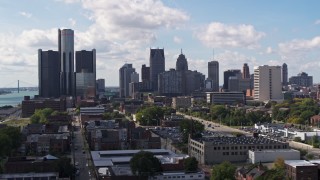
123,31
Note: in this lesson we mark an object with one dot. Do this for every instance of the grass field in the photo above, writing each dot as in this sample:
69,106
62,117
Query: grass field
17,123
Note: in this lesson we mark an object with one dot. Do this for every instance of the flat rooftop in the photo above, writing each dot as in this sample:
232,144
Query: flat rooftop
273,150
295,163
123,157
238,140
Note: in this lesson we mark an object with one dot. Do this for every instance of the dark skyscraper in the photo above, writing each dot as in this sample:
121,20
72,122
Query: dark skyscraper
145,73
85,79
227,74
245,71
157,66
182,64
213,74
66,50
284,74
86,61
49,73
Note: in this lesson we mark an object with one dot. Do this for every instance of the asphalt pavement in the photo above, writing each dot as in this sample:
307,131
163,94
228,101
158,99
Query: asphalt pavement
81,155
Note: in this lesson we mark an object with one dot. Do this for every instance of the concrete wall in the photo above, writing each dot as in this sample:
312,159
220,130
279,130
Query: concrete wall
271,156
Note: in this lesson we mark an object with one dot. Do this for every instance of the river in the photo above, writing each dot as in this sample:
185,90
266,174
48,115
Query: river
15,98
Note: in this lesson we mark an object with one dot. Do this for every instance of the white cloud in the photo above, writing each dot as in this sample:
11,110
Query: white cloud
69,1
177,40
72,22
36,38
121,30
269,50
25,14
234,60
217,34
299,45
317,22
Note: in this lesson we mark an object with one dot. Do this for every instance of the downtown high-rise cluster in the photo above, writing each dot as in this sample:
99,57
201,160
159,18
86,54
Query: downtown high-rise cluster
264,84
59,75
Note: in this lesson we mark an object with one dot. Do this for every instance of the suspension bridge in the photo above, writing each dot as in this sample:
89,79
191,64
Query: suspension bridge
18,86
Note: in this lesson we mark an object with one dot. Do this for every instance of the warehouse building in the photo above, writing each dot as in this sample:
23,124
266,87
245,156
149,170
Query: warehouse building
213,150
268,155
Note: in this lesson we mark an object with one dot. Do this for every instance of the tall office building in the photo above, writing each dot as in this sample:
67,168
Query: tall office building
213,74
302,79
85,74
157,66
134,78
66,50
125,79
230,73
245,71
182,64
100,85
86,61
284,74
145,73
180,81
49,73
267,83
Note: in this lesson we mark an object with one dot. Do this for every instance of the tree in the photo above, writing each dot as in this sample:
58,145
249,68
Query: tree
41,115
10,140
218,111
5,145
64,167
223,171
144,163
14,135
185,129
279,164
150,115
190,164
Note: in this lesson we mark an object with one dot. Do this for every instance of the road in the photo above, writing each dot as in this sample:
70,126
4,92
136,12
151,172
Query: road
217,127
81,155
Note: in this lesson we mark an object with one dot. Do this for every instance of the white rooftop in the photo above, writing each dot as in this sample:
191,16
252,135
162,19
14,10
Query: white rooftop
114,157
295,163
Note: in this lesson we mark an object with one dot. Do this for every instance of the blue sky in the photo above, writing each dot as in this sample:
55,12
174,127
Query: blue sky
248,31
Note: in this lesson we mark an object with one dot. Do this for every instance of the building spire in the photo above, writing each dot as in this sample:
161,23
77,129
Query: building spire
181,50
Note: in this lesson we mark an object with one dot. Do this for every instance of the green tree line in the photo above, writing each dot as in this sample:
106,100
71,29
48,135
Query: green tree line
297,111
151,116
10,140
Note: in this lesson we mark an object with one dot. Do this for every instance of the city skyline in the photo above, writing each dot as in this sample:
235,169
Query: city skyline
256,33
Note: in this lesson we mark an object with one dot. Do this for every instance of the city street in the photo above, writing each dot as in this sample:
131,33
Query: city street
215,127
81,154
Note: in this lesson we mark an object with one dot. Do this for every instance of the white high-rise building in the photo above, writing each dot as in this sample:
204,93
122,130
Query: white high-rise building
267,83
125,79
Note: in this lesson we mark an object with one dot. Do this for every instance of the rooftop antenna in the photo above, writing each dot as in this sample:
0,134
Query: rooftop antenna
181,50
